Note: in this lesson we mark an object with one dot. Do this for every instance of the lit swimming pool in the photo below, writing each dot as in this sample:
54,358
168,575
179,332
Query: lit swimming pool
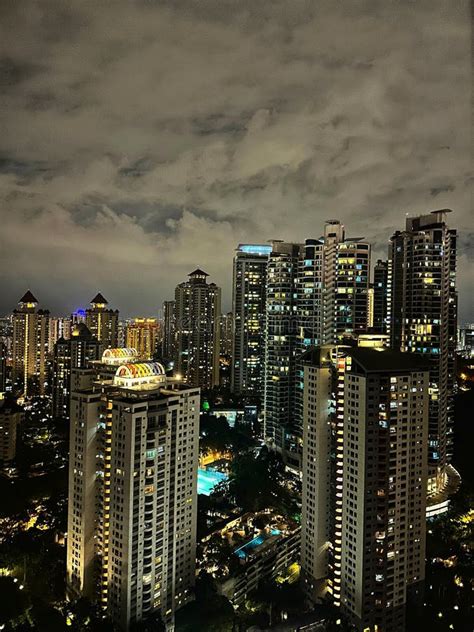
208,479
246,549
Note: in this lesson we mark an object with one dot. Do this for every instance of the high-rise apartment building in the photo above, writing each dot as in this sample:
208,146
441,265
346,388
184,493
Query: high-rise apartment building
69,354
197,319
381,294
3,366
280,356
143,335
133,490
364,483
316,292
30,345
168,344
58,328
248,305
423,319
11,416
226,333
102,322
345,283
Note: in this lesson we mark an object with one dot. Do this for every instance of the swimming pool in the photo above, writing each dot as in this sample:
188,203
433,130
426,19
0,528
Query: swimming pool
208,479
244,550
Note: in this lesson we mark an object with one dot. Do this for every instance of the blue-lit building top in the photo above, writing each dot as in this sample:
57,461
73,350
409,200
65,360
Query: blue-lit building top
263,250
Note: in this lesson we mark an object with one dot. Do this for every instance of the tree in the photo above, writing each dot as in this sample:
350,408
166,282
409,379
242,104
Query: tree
152,622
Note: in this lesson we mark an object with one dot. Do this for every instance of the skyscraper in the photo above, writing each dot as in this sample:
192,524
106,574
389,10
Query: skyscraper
11,416
316,292
248,305
381,288
365,472
345,283
423,319
143,335
58,328
3,366
169,331
102,322
280,357
133,492
197,314
70,354
30,345
226,333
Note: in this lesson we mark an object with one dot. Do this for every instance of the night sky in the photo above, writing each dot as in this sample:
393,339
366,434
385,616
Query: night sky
140,140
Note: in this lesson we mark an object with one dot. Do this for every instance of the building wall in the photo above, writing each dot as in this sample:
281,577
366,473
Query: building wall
248,306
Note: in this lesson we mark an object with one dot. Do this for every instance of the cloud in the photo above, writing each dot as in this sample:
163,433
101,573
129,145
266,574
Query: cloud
141,139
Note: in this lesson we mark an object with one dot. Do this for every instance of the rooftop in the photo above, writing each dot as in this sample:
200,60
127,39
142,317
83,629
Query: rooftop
388,360
28,297
80,330
99,299
198,273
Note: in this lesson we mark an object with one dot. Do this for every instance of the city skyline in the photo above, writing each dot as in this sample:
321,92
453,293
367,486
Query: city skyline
236,315
136,311
149,156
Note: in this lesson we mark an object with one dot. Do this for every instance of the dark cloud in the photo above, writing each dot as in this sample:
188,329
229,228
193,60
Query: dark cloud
142,139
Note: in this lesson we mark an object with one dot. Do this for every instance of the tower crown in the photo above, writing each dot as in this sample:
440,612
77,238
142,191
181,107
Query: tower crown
198,276
28,299
99,301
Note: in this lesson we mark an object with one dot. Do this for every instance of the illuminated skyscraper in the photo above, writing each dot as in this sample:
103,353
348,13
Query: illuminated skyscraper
423,319
3,366
381,292
143,335
316,292
133,492
280,357
30,345
248,305
364,481
69,354
103,322
226,331
345,283
58,328
168,345
197,314
11,416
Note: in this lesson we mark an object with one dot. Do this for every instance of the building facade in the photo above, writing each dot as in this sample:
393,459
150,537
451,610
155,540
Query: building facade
69,354
102,322
30,346
11,416
226,333
423,319
364,490
280,357
133,491
317,292
143,334
248,305
197,320
168,344
381,295
59,327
